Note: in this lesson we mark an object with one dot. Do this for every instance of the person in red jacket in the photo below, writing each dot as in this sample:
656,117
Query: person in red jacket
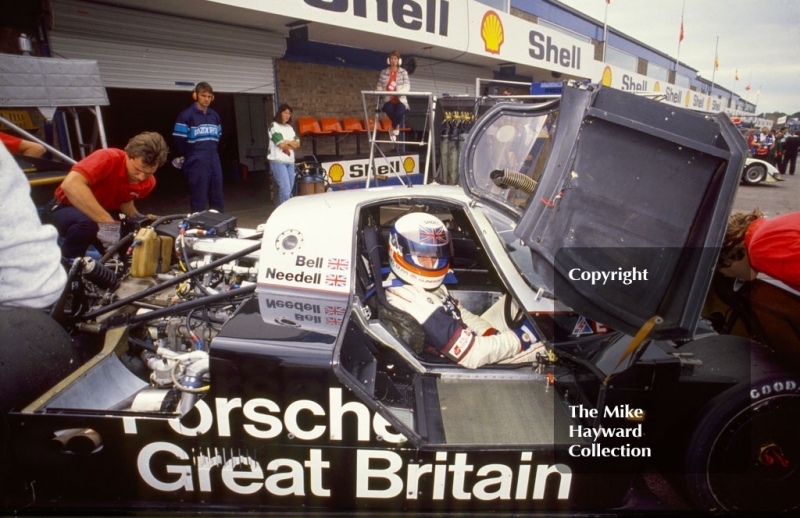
18,146
754,244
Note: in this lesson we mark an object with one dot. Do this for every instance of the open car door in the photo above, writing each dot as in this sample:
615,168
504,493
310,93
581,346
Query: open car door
629,188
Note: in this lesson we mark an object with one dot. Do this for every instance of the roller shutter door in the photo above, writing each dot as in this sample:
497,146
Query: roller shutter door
136,49
446,78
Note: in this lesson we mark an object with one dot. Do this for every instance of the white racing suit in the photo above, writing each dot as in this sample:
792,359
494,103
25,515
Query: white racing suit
459,335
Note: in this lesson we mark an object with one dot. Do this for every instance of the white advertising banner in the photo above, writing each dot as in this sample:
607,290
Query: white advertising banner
460,25
512,39
355,170
616,77
434,22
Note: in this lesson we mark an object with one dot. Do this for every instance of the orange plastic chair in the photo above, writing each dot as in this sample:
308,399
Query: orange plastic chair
332,125
354,125
369,124
308,126
386,125
351,124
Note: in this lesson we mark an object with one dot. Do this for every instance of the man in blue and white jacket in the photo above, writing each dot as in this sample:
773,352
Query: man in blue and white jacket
197,132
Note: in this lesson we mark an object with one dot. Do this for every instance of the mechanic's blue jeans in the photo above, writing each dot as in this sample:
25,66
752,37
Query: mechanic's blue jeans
77,229
395,112
283,174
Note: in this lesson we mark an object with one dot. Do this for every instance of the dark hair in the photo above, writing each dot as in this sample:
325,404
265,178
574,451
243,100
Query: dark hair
394,53
150,147
283,107
203,87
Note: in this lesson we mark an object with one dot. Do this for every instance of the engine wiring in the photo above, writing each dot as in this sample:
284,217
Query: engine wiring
172,315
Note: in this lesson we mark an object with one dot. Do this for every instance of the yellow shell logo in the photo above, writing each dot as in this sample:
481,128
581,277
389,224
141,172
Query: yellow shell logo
492,32
686,103
336,172
606,79
657,87
408,165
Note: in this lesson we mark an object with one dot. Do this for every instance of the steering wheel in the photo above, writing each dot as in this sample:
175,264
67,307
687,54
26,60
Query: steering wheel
513,321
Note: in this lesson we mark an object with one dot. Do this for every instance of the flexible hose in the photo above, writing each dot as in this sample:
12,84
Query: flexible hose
507,178
74,271
116,247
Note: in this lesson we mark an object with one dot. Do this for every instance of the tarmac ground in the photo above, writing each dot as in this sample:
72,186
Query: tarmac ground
250,200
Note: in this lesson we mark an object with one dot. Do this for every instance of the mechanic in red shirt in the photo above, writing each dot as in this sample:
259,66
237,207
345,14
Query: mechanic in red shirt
18,146
754,244
101,186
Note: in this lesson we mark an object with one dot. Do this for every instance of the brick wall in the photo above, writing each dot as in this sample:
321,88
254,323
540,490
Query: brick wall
325,91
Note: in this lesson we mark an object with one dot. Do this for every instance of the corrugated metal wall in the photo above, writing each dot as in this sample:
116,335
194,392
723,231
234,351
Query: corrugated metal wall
450,78
136,49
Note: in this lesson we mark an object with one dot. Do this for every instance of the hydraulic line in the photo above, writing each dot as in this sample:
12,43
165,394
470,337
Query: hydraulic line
177,280
116,247
189,304
74,271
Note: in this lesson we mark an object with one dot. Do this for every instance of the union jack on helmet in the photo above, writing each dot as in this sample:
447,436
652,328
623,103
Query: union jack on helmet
420,249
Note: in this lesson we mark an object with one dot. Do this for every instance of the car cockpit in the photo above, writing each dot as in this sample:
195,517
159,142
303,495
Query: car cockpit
472,279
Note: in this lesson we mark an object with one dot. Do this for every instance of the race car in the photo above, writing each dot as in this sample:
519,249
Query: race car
756,171
259,373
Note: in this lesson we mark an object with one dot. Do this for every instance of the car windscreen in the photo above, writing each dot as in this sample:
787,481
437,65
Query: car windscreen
517,141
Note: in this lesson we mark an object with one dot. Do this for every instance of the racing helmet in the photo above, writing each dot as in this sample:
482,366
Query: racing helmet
420,249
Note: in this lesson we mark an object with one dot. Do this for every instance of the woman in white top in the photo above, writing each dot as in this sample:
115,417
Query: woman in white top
394,78
282,143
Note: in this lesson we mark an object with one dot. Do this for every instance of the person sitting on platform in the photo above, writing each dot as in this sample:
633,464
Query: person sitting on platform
394,78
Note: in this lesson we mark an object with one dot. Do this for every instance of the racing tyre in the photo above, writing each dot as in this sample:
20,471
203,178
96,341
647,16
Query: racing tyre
754,174
37,353
744,453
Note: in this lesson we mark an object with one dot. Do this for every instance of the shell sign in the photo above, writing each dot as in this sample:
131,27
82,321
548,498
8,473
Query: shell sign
492,32
336,173
408,165
607,78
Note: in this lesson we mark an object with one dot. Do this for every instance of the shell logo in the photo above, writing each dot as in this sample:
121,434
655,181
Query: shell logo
336,172
492,32
657,87
605,80
687,99
408,165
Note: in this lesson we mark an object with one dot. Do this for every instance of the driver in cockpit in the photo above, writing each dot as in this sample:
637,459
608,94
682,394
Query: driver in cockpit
419,256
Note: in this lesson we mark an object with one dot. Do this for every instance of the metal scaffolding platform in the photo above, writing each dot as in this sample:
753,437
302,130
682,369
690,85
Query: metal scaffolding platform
372,98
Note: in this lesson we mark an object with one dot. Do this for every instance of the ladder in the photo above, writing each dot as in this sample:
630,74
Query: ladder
370,98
